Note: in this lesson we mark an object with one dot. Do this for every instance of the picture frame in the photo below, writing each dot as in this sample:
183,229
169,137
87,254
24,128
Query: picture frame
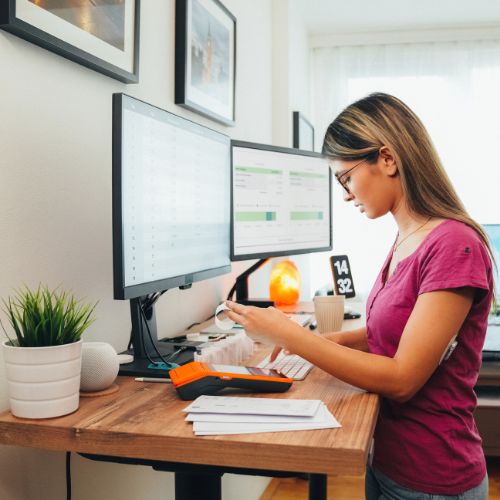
103,36
205,59
303,132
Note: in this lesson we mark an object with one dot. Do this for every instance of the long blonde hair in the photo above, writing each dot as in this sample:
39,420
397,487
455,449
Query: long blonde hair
379,119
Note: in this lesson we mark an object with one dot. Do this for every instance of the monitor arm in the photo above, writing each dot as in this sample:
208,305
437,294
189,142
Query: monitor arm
241,287
143,317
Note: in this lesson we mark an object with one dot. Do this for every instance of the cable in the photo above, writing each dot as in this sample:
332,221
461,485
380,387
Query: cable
175,353
151,339
200,322
148,303
151,300
68,475
152,342
144,308
143,344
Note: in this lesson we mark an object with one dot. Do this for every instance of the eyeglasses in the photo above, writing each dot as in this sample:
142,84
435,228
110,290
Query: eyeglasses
343,180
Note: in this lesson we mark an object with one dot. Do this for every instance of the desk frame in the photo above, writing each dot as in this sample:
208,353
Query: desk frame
132,423
143,423
193,481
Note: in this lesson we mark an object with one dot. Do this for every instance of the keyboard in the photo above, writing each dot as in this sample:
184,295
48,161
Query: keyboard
290,365
301,319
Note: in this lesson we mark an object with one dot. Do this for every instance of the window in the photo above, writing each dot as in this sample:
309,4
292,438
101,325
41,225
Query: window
454,88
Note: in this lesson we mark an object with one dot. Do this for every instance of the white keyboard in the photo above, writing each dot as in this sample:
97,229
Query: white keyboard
291,365
301,319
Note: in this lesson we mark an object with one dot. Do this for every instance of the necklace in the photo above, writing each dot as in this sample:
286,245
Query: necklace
397,245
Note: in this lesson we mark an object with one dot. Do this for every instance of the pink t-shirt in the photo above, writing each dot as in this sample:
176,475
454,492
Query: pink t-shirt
431,443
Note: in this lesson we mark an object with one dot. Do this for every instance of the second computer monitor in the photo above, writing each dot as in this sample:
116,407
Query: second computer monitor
493,232
281,202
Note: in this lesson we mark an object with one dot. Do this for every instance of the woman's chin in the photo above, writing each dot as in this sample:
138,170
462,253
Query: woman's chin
370,214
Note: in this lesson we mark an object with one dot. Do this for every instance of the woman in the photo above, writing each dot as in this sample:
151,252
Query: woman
436,285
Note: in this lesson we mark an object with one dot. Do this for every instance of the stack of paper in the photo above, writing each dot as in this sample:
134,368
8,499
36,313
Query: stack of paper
233,415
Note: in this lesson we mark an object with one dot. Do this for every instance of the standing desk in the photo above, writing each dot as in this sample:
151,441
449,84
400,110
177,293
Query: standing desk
143,424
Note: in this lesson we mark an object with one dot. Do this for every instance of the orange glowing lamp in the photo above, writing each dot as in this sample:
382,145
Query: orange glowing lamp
284,285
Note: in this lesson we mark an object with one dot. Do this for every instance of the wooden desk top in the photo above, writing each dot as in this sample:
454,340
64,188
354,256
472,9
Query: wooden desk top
144,420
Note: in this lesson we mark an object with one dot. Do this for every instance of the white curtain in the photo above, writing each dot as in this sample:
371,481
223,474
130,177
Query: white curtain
454,87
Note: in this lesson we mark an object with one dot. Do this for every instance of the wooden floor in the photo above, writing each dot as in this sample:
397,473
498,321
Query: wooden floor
352,487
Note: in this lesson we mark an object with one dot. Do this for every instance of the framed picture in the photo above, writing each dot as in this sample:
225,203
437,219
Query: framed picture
100,34
205,59
303,132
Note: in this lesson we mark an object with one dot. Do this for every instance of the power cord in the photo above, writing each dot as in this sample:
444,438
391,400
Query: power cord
174,354
145,307
165,360
68,475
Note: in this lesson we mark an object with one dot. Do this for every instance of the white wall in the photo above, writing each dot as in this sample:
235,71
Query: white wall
291,90
55,222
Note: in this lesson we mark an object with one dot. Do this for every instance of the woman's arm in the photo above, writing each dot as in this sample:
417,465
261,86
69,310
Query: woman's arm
355,339
434,321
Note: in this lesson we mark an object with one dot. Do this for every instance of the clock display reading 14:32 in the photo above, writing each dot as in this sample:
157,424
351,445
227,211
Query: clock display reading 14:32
342,278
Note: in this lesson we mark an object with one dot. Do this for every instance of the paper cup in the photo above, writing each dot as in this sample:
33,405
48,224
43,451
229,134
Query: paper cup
329,312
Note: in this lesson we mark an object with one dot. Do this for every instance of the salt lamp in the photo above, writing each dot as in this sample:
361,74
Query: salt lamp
284,284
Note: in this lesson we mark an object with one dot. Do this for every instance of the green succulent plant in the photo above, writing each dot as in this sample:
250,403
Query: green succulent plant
44,317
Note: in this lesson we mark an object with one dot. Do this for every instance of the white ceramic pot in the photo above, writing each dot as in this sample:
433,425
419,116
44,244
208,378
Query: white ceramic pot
43,382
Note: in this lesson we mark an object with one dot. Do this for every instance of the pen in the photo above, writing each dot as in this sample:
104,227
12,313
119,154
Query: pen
149,379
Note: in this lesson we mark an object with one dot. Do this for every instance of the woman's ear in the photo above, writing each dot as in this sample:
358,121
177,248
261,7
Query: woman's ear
388,162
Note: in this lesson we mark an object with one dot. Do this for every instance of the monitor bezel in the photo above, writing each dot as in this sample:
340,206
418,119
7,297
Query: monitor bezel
485,226
490,224
280,253
120,290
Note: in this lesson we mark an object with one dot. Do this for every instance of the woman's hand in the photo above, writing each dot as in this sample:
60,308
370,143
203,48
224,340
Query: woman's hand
268,324
277,349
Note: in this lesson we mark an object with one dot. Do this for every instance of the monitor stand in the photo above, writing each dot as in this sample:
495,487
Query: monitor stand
241,288
145,343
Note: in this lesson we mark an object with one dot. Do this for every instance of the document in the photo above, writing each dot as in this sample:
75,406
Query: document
322,420
254,406
233,417
217,415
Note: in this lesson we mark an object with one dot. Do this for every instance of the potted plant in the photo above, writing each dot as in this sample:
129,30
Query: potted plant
43,358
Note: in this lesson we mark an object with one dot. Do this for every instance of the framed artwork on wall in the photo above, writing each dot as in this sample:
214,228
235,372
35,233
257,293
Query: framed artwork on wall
100,34
205,59
303,132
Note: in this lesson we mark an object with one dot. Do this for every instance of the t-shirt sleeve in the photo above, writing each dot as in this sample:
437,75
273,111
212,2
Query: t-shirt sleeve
455,261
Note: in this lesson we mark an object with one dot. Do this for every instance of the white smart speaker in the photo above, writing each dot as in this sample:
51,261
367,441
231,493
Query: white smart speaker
99,366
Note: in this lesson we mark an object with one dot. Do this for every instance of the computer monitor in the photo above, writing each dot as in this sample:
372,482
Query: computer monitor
493,232
171,213
281,205
491,347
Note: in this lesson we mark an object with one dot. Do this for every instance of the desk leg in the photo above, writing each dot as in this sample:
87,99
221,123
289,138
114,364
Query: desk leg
193,486
317,486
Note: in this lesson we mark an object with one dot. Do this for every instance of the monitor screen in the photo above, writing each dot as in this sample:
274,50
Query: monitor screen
281,202
493,232
171,200
491,347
